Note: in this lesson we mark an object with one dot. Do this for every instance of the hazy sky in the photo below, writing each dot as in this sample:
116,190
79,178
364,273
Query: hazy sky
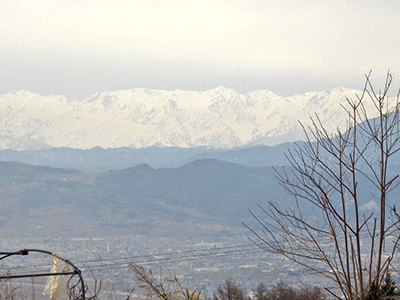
78,47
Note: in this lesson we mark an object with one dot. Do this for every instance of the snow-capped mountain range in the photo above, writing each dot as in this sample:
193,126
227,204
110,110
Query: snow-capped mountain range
137,118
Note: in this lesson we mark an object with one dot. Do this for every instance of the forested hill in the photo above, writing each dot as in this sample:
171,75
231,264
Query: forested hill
203,197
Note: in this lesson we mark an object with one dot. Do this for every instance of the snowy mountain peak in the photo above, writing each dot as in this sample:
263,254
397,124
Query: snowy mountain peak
22,93
219,118
221,88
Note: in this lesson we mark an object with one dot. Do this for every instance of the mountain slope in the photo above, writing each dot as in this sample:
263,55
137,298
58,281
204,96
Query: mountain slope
203,197
138,118
99,159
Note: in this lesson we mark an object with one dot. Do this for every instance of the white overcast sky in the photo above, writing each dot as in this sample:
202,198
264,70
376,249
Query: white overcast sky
78,47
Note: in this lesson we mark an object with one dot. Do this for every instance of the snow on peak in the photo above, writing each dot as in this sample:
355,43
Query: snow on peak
221,88
220,117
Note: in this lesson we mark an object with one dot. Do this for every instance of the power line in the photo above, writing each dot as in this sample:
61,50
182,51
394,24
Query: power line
38,267
172,256
167,253
227,250
183,259
178,259
150,255
160,260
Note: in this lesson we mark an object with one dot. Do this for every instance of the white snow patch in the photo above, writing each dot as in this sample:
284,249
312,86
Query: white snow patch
217,118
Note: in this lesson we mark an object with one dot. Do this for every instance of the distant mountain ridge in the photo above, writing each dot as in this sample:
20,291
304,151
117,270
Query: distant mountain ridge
204,197
218,118
99,159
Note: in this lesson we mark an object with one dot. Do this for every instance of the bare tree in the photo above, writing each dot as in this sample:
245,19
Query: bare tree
229,290
260,292
10,292
351,249
160,286
283,291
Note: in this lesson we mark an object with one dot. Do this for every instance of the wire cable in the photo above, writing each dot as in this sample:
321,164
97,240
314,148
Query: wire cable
146,255
169,259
